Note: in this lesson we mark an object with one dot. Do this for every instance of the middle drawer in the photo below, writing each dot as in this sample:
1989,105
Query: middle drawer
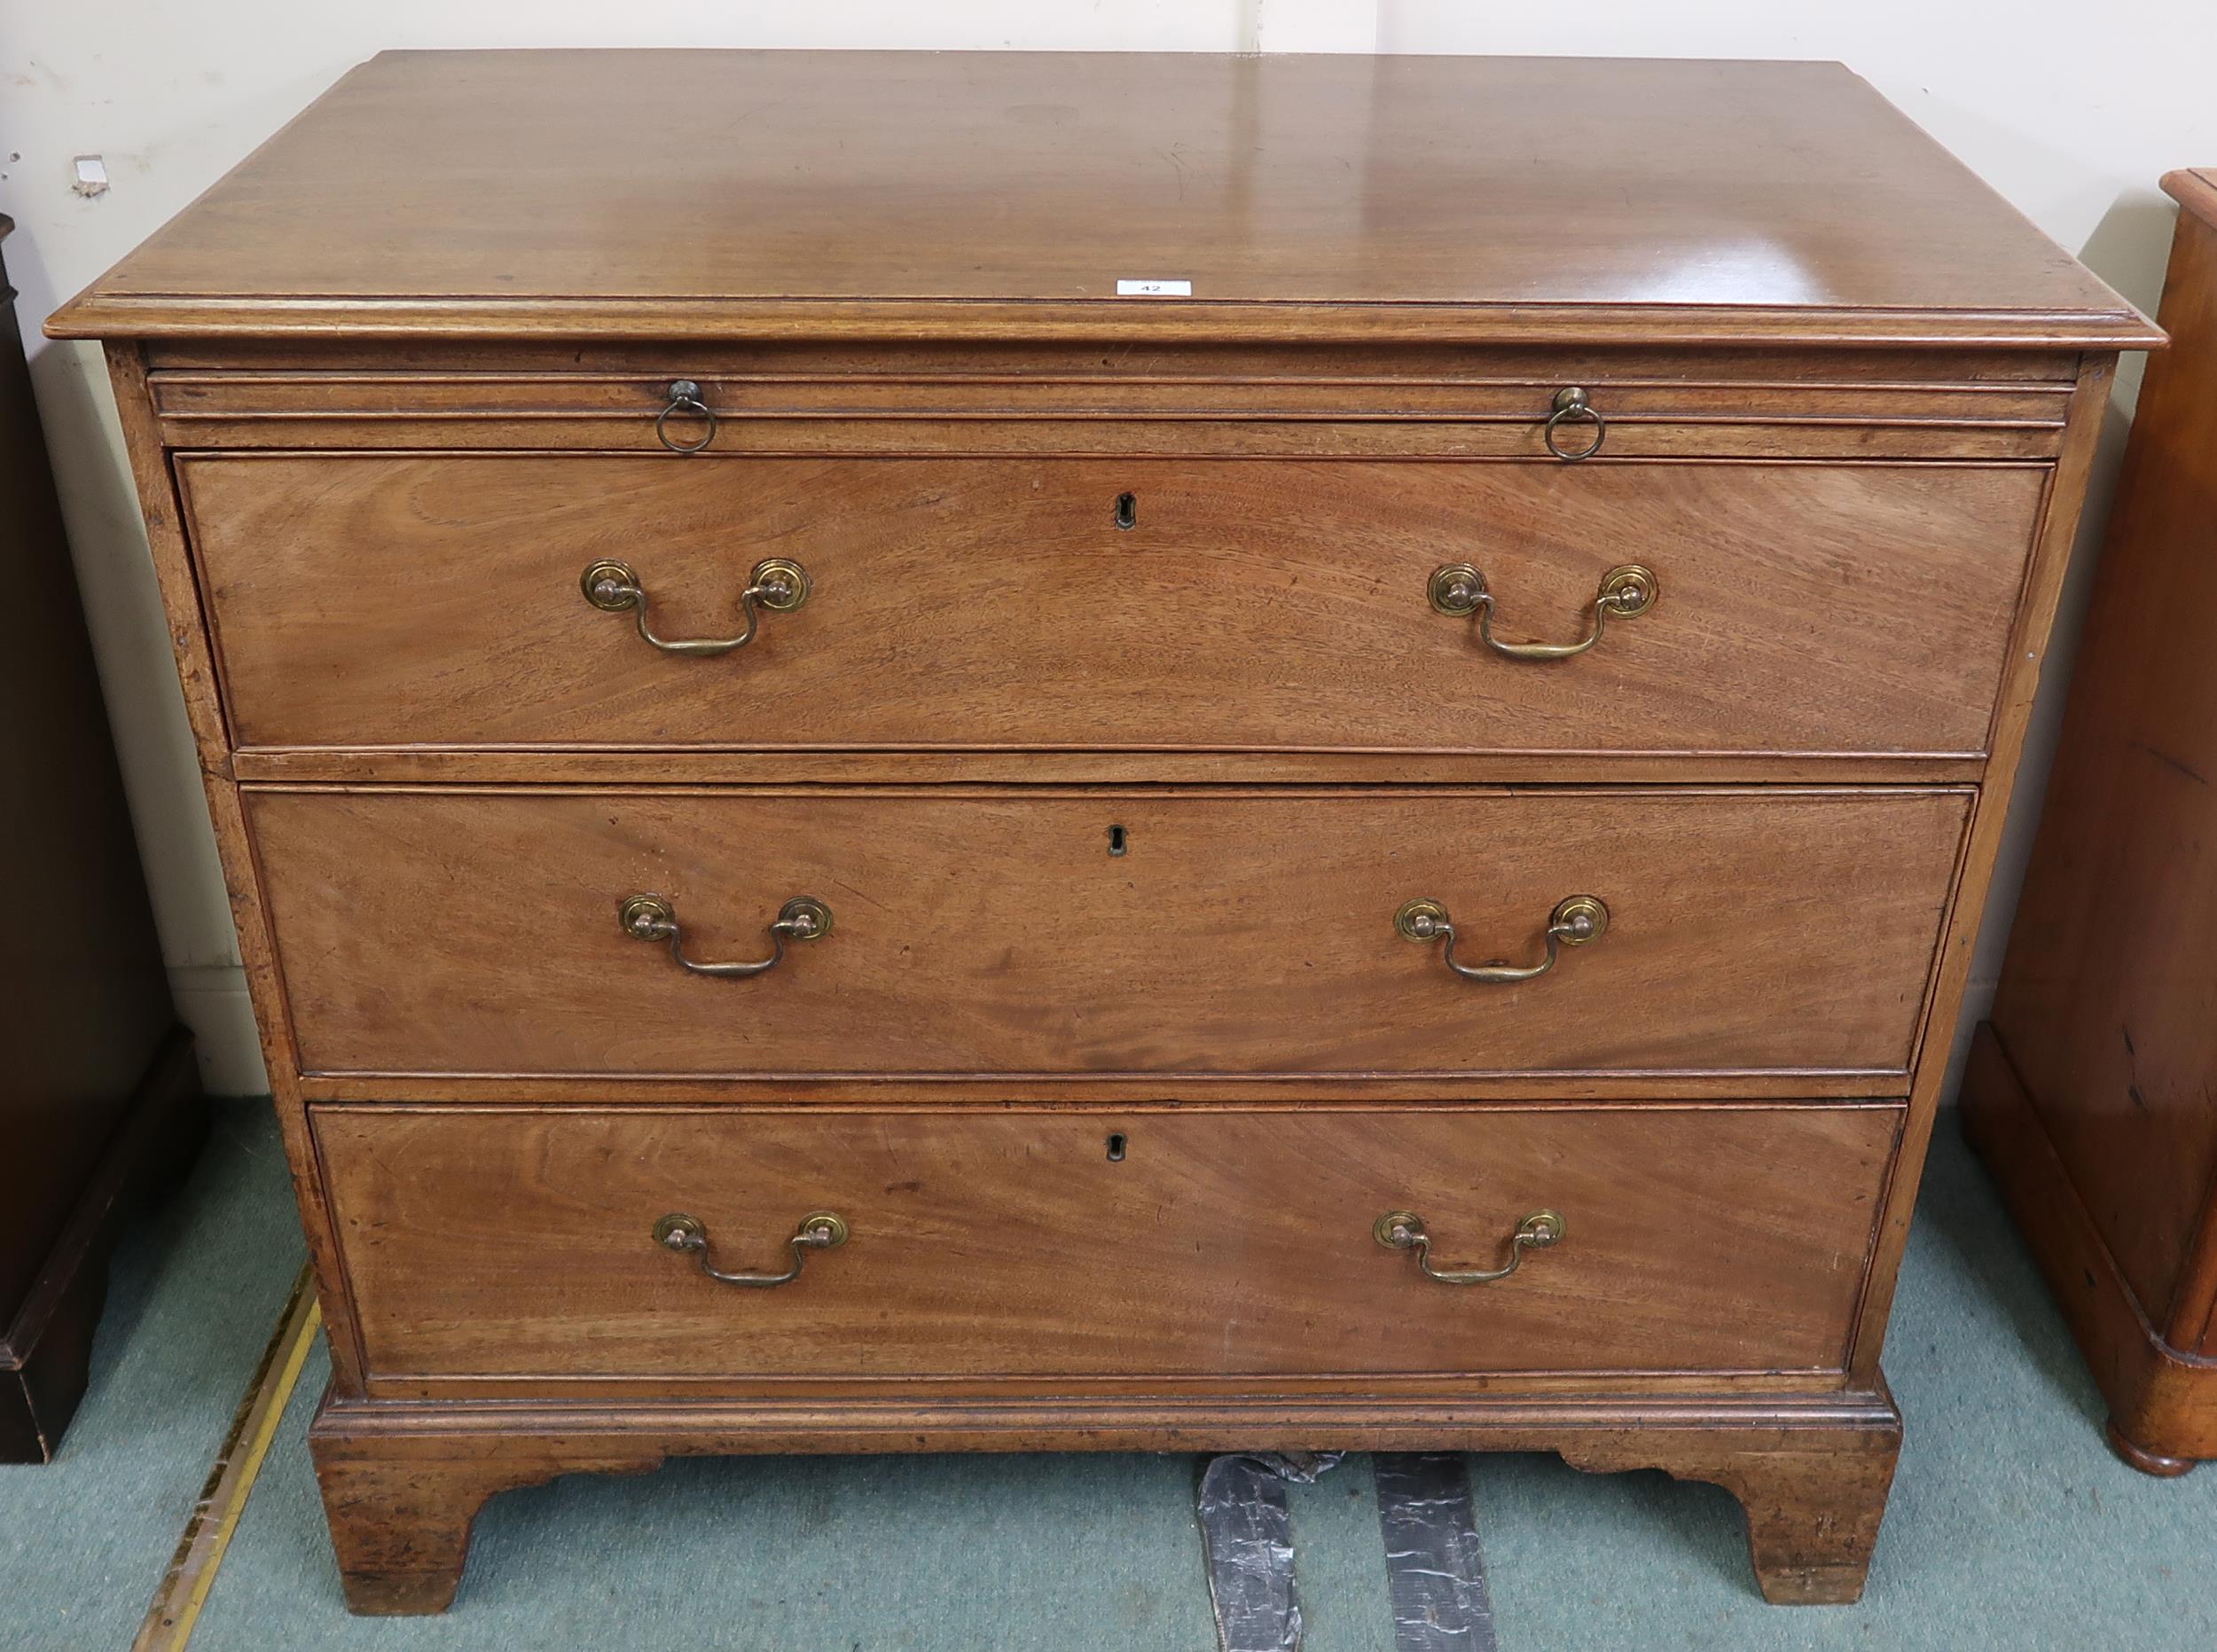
538,932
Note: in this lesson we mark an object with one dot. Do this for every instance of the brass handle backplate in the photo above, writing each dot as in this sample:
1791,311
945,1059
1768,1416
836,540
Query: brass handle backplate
777,584
1403,1230
819,1230
1457,590
652,918
1575,920
1573,406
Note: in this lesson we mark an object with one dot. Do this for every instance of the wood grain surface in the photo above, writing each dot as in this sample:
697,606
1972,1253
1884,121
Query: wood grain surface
1027,1243
971,604
999,193
403,1484
2029,654
2108,999
2162,1399
389,386
2106,1012
456,932
1393,401
99,1104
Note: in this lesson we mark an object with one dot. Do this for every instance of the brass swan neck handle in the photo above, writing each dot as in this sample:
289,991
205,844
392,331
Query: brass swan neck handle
1575,921
1457,590
652,918
1403,1230
777,584
819,1230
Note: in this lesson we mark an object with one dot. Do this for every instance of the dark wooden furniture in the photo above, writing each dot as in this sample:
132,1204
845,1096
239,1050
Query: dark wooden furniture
2093,1092
1122,745
98,1100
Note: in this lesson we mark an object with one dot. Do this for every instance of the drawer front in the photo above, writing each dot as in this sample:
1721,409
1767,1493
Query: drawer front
1070,933
380,600
492,1242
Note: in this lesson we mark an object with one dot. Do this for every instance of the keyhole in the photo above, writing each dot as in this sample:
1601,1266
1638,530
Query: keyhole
1127,510
1115,840
1115,1148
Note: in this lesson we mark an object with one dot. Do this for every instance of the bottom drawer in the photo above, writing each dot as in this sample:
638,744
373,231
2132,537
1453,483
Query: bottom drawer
1065,1242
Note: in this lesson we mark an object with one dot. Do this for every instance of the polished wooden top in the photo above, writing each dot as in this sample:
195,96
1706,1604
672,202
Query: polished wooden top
2195,189
761,193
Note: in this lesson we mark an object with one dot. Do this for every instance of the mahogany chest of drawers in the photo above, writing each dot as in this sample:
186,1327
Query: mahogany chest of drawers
100,1104
1176,753
2093,1092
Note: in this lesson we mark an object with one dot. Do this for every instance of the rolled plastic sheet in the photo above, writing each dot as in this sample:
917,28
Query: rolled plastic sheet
1247,1538
1435,1572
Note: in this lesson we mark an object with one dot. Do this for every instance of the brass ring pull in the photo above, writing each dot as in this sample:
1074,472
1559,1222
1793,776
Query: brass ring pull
819,1230
1575,921
776,583
1572,407
1403,1230
684,397
652,918
1458,590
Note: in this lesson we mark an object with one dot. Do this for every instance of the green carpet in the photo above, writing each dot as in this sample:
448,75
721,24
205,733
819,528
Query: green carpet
193,1296
2011,1525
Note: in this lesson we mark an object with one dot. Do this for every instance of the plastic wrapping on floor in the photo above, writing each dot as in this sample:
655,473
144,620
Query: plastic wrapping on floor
1435,1572
1247,1535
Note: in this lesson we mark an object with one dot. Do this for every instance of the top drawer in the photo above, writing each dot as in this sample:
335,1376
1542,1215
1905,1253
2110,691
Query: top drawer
389,599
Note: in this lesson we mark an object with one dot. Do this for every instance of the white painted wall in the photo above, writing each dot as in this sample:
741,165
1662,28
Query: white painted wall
2071,109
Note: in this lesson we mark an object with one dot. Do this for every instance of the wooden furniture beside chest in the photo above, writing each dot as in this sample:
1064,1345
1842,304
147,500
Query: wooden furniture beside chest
99,1101
1367,854
2092,1093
